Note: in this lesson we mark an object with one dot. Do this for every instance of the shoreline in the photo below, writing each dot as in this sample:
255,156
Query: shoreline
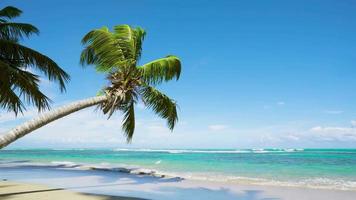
114,183
136,170
305,168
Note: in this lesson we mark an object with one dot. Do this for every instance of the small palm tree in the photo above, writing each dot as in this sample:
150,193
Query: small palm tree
16,82
117,54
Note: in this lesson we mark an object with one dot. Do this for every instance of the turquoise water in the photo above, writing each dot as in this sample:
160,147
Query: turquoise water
321,168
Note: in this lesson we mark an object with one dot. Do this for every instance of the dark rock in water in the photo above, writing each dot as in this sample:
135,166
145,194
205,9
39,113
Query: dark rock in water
4,179
100,169
123,170
158,175
119,169
177,179
144,173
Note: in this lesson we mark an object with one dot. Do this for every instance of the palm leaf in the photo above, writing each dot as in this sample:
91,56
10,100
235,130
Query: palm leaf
160,104
163,69
29,57
26,83
125,37
15,31
8,98
139,37
117,54
130,40
101,50
128,124
10,12
109,50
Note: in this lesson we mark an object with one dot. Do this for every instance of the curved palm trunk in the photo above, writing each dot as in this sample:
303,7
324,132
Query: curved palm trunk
46,118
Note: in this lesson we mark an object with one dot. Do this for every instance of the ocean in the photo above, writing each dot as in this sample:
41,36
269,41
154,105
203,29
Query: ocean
312,168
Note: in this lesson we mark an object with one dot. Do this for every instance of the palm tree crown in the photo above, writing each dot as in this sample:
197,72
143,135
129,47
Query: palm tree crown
117,53
16,81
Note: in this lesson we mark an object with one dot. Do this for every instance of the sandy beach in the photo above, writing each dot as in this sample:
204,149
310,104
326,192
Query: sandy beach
177,100
57,182
28,191
22,191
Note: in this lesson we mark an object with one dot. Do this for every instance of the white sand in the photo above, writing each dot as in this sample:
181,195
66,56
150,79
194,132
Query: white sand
148,187
21,191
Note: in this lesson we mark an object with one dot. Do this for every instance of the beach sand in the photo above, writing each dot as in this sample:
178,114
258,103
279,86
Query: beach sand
72,183
22,191
27,191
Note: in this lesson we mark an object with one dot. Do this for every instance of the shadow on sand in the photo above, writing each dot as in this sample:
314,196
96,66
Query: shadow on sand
47,193
119,184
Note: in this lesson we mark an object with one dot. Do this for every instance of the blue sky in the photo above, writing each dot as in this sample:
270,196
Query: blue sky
255,74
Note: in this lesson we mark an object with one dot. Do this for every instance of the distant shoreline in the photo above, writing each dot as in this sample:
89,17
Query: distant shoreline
303,168
154,174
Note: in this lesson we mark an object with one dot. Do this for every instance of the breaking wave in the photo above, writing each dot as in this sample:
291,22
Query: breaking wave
210,151
321,183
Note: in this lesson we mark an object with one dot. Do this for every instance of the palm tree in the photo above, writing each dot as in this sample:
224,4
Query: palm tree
16,81
117,54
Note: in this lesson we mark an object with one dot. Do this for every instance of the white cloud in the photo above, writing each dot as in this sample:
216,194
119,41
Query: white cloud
88,128
82,124
353,123
268,138
9,119
217,127
292,137
157,128
334,133
8,116
83,127
317,136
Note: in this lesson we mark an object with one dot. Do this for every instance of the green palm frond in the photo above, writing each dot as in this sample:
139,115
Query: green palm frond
8,98
15,31
10,12
125,37
28,86
107,50
139,37
117,54
160,104
14,79
128,124
29,57
163,69
17,85
101,50
130,41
